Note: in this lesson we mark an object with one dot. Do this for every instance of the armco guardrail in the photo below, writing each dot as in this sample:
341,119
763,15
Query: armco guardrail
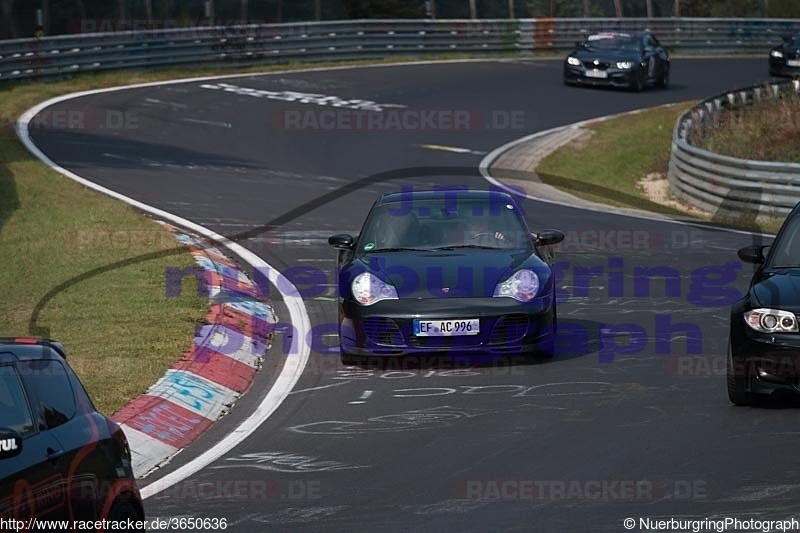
362,39
727,185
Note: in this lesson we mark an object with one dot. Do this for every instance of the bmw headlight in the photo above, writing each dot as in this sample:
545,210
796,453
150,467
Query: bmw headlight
522,286
369,289
771,321
574,61
625,65
776,53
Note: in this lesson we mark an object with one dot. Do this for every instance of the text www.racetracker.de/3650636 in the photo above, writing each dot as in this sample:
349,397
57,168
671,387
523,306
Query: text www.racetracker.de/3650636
156,524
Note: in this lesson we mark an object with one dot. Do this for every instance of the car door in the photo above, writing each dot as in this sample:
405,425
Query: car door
659,54
649,57
32,482
77,433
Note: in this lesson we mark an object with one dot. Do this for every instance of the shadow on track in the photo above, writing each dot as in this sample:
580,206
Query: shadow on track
119,153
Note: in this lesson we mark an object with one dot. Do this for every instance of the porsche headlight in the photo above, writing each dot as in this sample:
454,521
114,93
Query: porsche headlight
574,61
522,286
776,53
625,65
369,289
771,321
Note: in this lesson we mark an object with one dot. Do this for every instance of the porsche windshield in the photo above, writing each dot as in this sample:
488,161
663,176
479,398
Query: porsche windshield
442,224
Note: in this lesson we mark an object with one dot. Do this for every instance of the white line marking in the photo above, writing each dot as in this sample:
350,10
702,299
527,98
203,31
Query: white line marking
451,149
320,388
207,122
294,365
303,98
226,224
161,102
364,397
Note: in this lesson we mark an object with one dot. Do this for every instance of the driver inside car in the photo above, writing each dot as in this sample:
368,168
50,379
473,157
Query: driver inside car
484,231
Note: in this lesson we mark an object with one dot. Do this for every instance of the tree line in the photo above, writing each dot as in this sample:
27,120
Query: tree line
24,18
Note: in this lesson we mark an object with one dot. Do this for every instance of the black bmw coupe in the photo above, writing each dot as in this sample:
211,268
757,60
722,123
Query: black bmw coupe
630,60
764,347
784,59
455,270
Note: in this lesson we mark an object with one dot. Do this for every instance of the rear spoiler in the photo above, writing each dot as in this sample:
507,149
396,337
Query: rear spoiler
57,346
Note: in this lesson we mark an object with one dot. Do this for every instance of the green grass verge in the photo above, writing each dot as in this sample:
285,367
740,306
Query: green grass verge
608,166
120,329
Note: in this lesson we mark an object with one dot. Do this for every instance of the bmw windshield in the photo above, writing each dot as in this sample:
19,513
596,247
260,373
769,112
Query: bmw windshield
615,44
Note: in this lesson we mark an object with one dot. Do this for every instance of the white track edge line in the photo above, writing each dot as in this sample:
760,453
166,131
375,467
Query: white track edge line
294,365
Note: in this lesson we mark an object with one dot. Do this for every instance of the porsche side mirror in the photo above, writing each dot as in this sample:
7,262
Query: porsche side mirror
548,237
752,254
342,241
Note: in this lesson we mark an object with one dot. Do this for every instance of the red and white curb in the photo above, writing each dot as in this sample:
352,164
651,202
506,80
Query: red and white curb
217,369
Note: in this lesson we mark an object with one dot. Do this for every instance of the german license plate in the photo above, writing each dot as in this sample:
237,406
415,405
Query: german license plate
446,328
594,73
793,62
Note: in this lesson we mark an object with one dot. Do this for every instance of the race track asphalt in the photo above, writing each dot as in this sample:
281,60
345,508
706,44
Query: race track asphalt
621,426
